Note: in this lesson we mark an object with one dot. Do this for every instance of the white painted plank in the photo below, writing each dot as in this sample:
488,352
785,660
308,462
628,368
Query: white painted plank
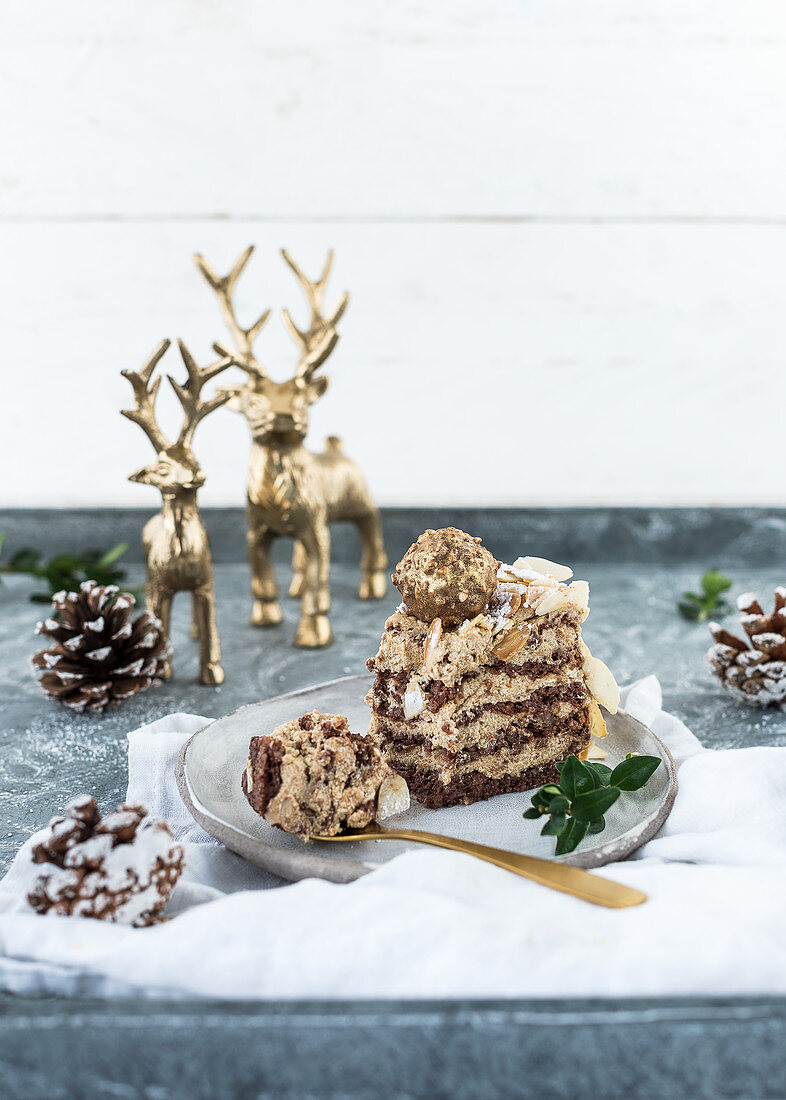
551,108
478,365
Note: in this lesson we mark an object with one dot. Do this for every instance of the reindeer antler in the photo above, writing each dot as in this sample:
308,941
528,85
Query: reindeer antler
189,395
319,339
224,287
144,414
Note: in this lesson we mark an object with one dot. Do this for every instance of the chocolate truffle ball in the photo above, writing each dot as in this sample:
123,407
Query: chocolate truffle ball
446,574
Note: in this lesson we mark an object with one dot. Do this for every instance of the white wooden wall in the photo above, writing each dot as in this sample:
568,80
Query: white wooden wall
563,225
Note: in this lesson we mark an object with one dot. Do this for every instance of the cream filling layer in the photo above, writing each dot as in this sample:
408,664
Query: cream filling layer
489,686
481,731
495,765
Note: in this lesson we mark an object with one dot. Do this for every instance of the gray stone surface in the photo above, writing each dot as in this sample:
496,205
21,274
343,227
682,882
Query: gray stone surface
637,563
673,1050
751,536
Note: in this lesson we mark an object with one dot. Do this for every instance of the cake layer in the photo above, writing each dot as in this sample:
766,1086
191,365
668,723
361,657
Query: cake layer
396,697
492,732
552,640
534,708
435,787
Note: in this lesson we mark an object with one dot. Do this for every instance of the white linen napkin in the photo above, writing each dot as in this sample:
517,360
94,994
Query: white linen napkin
439,924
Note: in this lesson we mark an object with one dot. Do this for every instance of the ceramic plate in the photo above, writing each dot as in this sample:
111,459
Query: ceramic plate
212,761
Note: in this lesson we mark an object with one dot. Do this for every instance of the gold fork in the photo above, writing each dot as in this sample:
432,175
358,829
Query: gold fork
559,876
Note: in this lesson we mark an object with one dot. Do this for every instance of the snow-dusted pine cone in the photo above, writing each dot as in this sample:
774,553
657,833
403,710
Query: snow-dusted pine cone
754,671
121,867
100,656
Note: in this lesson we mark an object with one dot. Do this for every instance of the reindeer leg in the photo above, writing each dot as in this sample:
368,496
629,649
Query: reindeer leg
160,604
374,561
313,630
194,617
298,570
266,610
210,670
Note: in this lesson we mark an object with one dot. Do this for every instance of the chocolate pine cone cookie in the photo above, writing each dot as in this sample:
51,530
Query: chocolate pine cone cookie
121,867
313,777
753,670
447,575
99,656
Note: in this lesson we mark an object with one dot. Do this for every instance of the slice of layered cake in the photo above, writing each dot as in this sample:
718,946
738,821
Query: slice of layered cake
314,777
483,682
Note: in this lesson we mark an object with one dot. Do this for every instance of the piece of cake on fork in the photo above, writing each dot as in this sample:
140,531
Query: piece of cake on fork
483,682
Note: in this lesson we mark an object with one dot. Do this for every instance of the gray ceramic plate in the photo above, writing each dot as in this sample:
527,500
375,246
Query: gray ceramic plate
212,761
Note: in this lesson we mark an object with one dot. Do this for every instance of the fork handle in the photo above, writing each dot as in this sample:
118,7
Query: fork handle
559,876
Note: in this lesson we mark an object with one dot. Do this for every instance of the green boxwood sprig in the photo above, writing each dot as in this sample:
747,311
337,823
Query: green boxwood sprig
699,606
576,806
66,571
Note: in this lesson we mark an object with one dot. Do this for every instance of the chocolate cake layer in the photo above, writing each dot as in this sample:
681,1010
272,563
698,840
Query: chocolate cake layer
535,710
511,739
261,780
474,786
488,685
508,758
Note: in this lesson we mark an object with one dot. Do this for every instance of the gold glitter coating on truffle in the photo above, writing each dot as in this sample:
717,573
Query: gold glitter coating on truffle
446,574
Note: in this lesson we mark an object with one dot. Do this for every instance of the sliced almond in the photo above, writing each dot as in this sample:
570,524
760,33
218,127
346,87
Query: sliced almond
601,684
511,642
392,797
597,725
431,644
469,623
578,596
249,776
596,752
413,700
546,600
543,566
514,602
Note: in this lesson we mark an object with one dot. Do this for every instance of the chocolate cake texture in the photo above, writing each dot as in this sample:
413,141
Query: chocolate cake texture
489,705
314,777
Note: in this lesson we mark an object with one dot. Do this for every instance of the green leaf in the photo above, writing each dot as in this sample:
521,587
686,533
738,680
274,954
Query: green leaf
575,778
602,771
698,606
554,825
531,815
66,570
25,560
559,805
714,583
593,804
570,837
597,826
111,556
634,772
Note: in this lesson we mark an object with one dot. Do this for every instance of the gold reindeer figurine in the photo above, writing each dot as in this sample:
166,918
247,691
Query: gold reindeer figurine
292,491
176,544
